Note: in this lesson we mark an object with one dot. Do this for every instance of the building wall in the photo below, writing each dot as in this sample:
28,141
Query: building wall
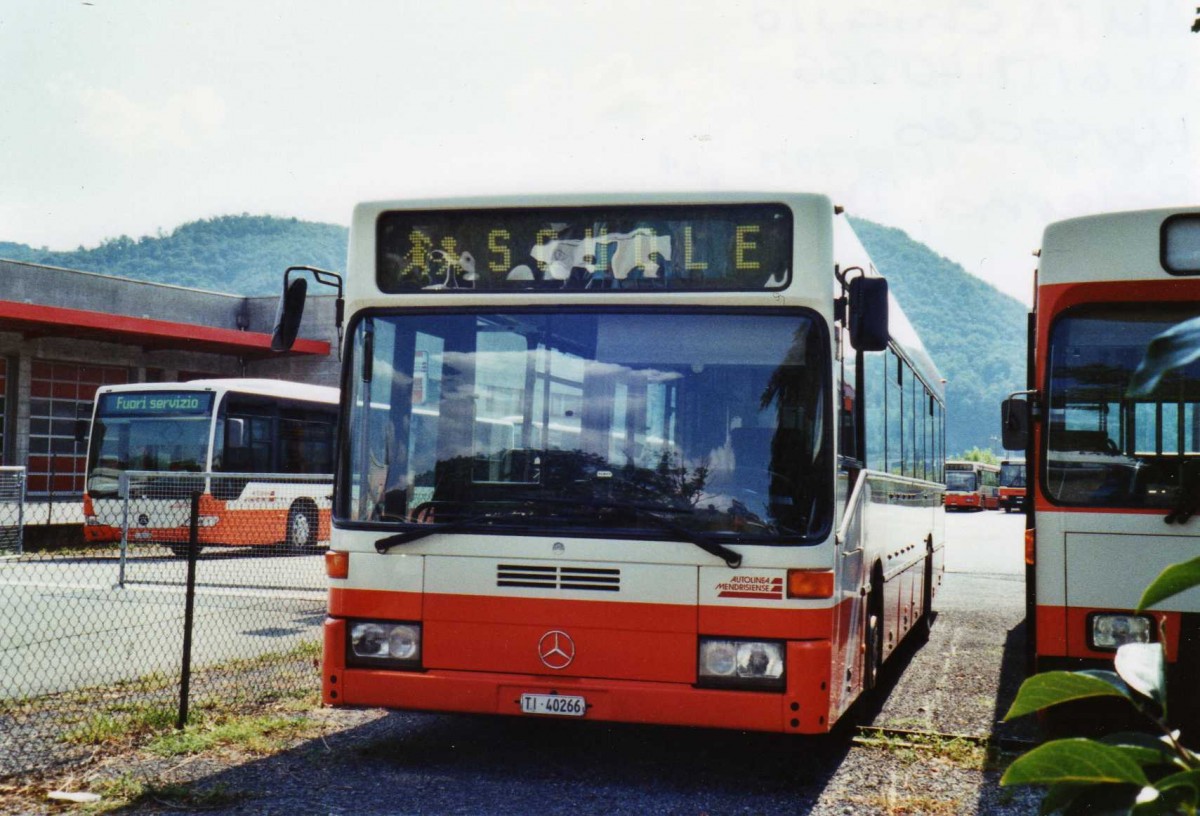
27,350
318,324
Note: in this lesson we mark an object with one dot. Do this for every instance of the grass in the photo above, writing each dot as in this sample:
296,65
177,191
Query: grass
253,706
262,734
215,726
962,752
126,792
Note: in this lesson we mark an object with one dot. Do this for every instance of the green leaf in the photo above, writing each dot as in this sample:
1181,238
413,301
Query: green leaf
1051,688
1190,779
1173,580
1076,760
1171,802
1143,667
1145,749
1059,796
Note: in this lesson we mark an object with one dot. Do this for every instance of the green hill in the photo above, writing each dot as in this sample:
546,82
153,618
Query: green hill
245,254
975,334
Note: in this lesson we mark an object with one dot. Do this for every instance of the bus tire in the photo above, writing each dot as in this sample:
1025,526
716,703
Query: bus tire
301,527
180,550
924,624
873,659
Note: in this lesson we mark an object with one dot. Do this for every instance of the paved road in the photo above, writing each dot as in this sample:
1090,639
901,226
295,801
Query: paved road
66,624
959,683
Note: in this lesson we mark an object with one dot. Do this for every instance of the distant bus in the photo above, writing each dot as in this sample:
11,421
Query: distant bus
972,486
236,426
592,463
1012,485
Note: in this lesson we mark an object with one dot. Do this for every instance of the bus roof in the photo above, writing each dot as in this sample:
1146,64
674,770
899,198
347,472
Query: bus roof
965,464
285,389
1119,246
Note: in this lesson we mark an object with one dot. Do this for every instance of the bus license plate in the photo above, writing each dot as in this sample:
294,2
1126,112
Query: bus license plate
555,704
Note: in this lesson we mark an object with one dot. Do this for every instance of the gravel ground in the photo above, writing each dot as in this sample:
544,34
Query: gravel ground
375,762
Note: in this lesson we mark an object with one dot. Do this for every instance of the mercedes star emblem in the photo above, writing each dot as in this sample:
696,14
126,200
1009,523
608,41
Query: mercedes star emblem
556,649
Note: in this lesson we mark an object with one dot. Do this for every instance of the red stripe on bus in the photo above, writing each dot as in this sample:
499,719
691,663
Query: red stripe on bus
1063,632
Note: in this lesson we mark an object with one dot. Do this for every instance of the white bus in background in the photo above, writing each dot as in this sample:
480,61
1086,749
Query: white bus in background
666,459
237,426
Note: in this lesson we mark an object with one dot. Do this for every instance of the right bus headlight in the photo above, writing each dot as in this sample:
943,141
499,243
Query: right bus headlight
1110,630
731,663
384,644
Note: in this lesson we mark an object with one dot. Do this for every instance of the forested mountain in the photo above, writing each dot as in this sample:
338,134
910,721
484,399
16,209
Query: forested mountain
245,254
975,334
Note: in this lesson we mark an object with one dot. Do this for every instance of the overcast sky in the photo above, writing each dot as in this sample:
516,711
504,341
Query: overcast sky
968,125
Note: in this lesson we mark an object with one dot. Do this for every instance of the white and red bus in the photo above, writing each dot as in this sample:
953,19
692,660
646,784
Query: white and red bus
253,429
972,485
592,463
1113,458
1013,491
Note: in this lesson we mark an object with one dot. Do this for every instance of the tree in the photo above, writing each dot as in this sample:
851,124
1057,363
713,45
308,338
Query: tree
984,455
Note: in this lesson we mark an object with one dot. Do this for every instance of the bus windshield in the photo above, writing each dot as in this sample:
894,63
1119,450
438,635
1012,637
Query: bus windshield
600,420
159,430
1012,474
961,481
1103,448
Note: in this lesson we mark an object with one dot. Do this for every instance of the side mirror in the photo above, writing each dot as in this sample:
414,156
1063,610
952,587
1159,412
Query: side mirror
869,313
1014,423
235,433
81,430
288,314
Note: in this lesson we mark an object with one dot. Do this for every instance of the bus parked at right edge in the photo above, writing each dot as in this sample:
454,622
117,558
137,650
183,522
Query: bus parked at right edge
1110,426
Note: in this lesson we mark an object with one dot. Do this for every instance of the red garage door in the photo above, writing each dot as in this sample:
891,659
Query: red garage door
60,393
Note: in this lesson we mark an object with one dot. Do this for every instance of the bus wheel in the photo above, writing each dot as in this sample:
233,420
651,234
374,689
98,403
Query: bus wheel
301,527
180,550
873,660
924,624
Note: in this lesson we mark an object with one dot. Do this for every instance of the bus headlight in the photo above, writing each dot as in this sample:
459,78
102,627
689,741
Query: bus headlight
384,643
1111,630
741,663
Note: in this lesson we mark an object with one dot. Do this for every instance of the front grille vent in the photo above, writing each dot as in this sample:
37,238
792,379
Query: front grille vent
538,577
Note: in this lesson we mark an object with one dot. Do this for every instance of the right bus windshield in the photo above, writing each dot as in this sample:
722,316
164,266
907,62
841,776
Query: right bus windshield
717,423
1012,474
147,430
1104,448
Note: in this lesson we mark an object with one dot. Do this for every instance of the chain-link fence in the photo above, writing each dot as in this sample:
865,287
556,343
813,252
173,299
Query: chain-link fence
93,637
12,510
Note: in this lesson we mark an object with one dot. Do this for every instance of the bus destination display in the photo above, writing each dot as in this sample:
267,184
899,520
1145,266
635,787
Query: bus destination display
155,403
743,247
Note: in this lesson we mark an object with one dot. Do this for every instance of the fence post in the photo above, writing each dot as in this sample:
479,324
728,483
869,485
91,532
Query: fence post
185,680
123,491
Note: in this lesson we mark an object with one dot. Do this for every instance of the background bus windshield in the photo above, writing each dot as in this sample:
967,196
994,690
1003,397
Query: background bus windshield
717,422
153,430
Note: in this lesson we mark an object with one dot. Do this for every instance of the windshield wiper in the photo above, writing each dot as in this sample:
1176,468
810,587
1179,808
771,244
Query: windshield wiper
650,511
385,544
732,559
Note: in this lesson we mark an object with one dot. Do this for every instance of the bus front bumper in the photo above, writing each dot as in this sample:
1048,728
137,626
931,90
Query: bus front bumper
802,707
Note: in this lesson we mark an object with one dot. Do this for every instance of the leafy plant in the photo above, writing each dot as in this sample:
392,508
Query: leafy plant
1123,773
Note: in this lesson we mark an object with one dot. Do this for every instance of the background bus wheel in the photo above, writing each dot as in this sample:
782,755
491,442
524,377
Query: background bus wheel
180,550
301,527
